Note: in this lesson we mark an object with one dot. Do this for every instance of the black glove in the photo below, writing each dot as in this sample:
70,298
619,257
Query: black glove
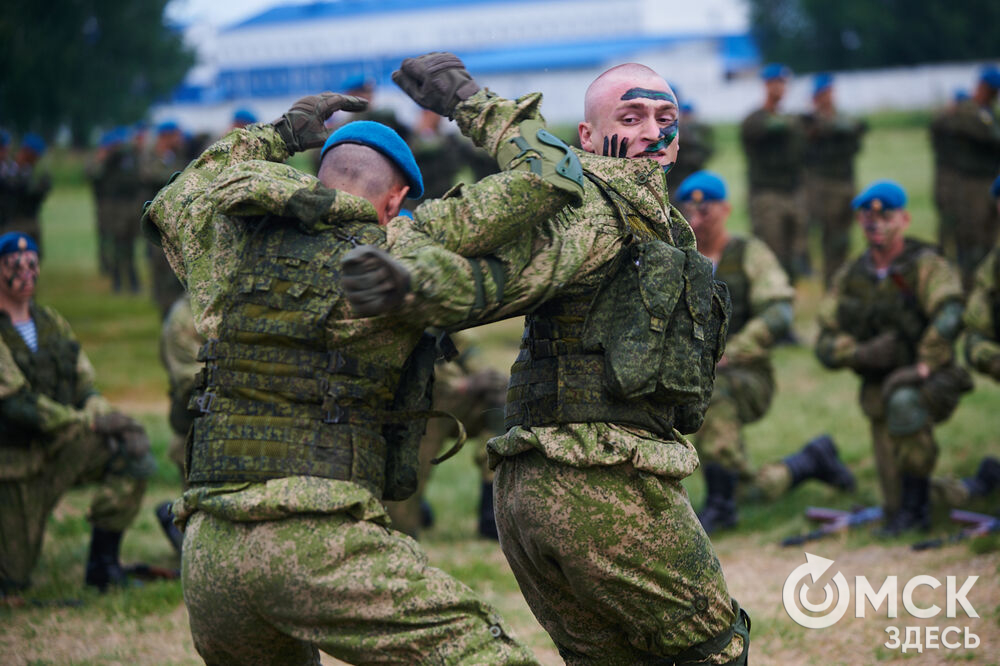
374,283
114,423
878,353
436,81
302,127
907,375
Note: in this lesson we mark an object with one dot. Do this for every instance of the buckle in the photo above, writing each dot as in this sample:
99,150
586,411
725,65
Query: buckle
333,415
335,361
205,401
208,350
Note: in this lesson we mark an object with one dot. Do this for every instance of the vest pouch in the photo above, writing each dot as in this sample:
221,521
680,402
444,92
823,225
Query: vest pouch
413,395
629,318
689,416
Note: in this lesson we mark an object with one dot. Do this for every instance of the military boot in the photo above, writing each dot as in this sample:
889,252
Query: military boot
165,516
818,459
720,501
915,509
986,480
103,567
487,518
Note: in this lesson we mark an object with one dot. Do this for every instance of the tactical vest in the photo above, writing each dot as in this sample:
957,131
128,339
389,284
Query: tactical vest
275,399
51,371
640,352
730,270
868,307
830,151
774,161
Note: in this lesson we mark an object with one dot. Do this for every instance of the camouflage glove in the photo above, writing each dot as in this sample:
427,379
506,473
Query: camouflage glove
906,376
878,353
436,81
374,283
113,423
302,127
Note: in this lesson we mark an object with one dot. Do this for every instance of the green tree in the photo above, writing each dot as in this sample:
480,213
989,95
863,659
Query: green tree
813,35
85,63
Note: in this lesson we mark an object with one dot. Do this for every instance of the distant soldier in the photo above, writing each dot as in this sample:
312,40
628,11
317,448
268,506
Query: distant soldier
114,175
945,175
27,186
967,156
157,164
699,144
242,117
893,316
833,141
744,381
773,142
57,432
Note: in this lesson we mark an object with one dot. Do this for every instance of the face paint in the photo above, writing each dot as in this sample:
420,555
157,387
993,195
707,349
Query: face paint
659,95
19,271
612,149
667,136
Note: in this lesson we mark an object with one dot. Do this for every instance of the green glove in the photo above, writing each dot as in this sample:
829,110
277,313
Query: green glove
878,353
303,125
374,283
436,81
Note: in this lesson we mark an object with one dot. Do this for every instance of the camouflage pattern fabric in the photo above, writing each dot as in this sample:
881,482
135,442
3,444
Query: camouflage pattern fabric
945,178
154,171
24,189
982,318
118,191
202,222
570,254
976,235
179,345
828,202
778,218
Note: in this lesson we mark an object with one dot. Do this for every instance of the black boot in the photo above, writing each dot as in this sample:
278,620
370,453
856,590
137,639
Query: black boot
487,518
720,503
915,507
426,514
166,518
987,478
818,459
103,567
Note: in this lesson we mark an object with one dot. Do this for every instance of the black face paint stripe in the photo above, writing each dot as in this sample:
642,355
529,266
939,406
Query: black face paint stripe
660,95
605,152
623,150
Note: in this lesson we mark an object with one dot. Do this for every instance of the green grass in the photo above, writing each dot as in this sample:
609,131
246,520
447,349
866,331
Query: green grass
147,625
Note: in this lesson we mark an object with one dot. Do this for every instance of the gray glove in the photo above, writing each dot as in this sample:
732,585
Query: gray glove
878,353
374,283
436,81
302,126
114,423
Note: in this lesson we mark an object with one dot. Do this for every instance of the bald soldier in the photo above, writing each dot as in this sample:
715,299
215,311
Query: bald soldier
590,508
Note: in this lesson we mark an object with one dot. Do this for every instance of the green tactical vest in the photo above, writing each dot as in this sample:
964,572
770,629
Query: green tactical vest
275,399
640,352
730,270
868,308
51,371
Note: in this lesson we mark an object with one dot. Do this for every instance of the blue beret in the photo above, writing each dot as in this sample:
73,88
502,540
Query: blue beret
385,140
357,82
775,71
823,81
995,190
117,135
33,142
961,95
881,195
244,116
167,126
406,213
702,186
687,107
16,241
990,75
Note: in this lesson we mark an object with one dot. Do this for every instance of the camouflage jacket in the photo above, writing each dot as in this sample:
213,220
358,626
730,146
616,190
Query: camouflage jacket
773,144
568,255
982,315
967,138
937,283
831,145
202,218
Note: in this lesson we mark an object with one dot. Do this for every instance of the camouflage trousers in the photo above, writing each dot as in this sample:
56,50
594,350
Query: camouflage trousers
76,456
613,562
779,219
945,180
828,202
276,592
480,411
977,224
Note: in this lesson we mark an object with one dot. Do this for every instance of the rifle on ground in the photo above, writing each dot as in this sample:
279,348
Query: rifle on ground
834,521
977,524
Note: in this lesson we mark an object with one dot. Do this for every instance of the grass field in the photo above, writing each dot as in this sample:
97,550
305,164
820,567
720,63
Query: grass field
149,625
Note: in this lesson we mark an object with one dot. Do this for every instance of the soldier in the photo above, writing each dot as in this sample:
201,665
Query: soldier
699,144
158,162
117,188
57,432
27,187
833,141
307,419
773,142
967,154
591,512
945,175
242,117
744,383
892,316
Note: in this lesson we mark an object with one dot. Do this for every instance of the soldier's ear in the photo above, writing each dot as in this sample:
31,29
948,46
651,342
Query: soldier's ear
586,133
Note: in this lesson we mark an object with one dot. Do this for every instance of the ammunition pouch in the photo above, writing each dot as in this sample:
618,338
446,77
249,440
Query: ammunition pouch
548,157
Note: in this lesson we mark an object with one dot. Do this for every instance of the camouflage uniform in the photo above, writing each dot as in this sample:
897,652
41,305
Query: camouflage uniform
155,170
969,143
47,403
832,143
744,386
117,193
287,462
592,515
921,288
945,181
774,145
26,188
698,146
179,345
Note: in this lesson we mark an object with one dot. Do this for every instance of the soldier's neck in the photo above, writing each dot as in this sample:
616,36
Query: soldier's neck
18,311
713,246
882,257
